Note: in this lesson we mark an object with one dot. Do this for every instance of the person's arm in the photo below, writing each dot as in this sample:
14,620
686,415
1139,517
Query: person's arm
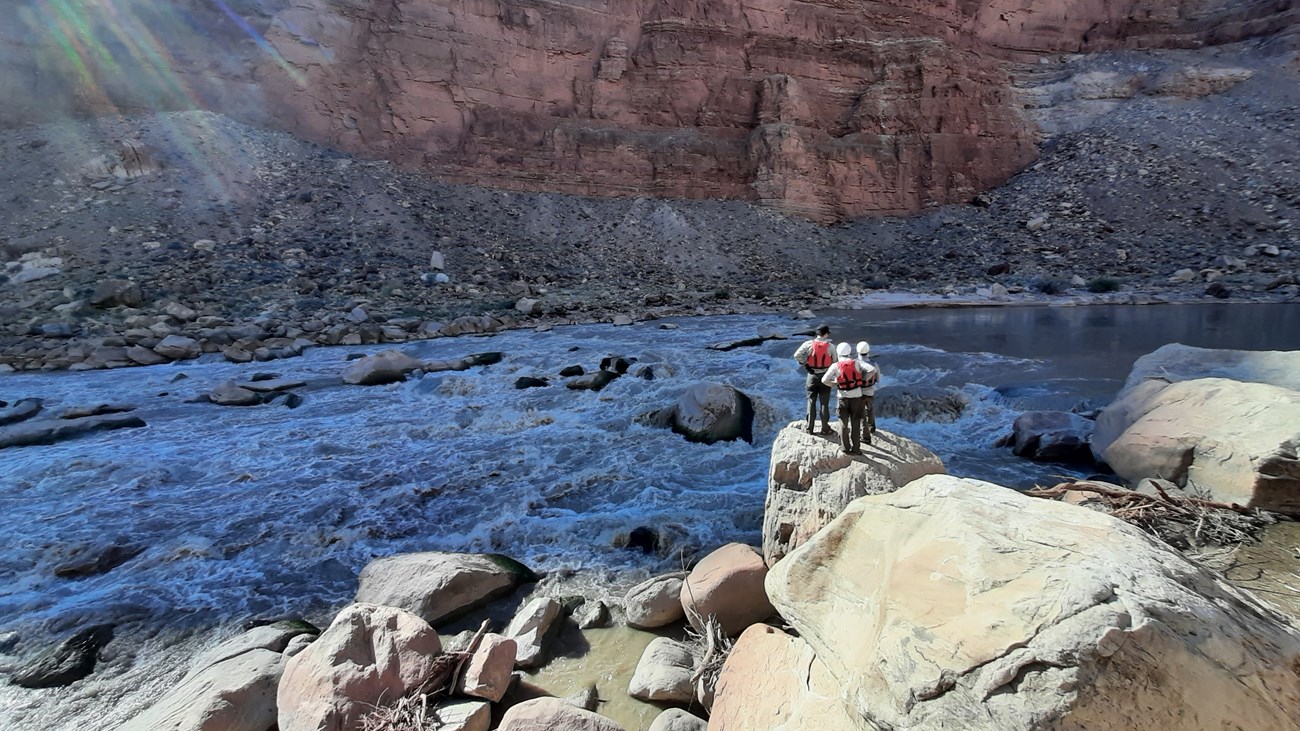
832,373
801,355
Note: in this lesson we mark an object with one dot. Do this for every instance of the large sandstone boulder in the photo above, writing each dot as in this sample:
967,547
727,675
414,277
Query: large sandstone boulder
553,714
773,681
487,675
712,412
727,584
531,629
675,719
664,673
231,687
958,604
1177,362
654,602
439,586
1231,441
811,480
369,656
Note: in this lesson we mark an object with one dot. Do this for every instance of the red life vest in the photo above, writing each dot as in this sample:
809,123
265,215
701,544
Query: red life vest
849,378
820,357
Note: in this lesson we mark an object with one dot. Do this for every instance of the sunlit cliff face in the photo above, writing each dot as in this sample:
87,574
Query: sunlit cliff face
821,110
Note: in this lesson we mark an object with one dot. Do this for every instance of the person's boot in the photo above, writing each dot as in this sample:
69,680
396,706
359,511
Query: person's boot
827,431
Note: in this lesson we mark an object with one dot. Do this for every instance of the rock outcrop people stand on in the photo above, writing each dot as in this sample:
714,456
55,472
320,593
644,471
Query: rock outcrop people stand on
815,357
847,376
871,374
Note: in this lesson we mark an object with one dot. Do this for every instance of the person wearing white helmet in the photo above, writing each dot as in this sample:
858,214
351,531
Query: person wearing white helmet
872,377
815,357
846,376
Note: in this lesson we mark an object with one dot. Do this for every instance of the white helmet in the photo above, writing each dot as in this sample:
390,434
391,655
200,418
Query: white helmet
843,350
863,348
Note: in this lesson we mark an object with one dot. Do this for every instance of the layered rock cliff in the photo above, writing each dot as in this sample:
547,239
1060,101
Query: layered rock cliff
825,109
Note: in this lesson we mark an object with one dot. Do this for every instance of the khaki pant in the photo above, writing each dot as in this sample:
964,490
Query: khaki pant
853,415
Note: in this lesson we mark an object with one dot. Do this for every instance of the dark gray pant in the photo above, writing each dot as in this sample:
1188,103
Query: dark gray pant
871,415
853,415
818,391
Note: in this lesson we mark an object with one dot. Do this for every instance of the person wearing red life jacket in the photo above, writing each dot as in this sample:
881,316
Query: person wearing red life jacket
872,376
847,375
815,357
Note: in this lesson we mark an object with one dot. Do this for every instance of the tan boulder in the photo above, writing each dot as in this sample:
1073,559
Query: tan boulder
531,629
178,347
727,584
230,687
553,714
965,605
675,719
370,655
773,681
655,602
1230,441
488,673
811,480
1176,362
664,673
439,586
461,715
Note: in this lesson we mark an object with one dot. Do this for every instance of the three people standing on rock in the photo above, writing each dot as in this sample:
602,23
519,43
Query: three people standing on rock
855,380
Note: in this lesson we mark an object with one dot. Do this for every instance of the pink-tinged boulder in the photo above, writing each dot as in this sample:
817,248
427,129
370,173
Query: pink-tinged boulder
774,682
461,715
531,629
811,481
655,602
675,719
488,672
369,656
727,584
438,586
553,714
664,673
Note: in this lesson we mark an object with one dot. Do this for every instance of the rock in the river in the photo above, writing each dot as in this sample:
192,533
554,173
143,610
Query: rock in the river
386,367
811,480
960,604
21,410
713,412
594,382
1052,436
369,656
943,405
94,559
229,393
553,714
675,719
727,584
664,673
440,586
571,371
775,682
524,382
117,293
488,673
591,614
1234,442
531,629
49,431
655,602
230,688
66,663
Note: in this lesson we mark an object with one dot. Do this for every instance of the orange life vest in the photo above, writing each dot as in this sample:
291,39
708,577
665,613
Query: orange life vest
849,378
820,357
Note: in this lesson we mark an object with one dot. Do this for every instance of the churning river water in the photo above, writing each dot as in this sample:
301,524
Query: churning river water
265,511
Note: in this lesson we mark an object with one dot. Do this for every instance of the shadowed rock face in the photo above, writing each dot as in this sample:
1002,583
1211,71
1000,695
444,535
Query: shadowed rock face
824,110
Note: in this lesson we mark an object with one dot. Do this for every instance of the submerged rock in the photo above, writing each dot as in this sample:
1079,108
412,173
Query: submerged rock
960,604
49,431
594,382
1052,436
70,661
20,410
810,481
925,403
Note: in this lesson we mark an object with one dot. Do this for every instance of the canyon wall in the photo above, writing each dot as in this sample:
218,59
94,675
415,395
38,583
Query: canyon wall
826,109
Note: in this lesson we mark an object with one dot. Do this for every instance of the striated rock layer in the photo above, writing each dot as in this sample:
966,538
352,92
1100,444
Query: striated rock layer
824,109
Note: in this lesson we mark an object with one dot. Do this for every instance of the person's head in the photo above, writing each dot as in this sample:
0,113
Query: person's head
843,350
863,348
823,330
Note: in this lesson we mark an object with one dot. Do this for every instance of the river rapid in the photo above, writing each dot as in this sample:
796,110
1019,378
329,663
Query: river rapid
270,511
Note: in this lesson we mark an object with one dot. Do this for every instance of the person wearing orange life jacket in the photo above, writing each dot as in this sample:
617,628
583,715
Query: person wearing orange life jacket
847,375
815,357
872,377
